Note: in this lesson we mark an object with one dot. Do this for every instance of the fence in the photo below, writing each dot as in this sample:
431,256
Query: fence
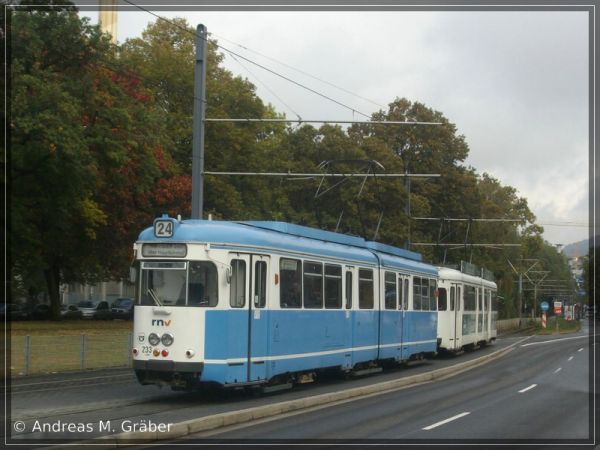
47,354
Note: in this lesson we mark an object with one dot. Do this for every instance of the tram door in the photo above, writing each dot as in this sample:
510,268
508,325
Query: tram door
350,303
456,298
247,323
403,304
258,318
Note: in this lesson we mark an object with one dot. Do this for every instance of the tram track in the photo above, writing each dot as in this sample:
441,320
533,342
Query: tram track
74,382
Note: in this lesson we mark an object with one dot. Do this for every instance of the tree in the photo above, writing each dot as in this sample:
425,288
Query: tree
81,159
164,58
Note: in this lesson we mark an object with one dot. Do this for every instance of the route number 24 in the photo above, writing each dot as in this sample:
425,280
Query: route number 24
163,228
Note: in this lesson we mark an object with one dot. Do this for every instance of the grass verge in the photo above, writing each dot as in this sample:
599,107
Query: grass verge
59,346
564,326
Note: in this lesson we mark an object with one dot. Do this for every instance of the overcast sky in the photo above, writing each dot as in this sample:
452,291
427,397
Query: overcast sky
514,83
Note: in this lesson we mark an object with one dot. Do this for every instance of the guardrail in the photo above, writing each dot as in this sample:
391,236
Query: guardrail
47,354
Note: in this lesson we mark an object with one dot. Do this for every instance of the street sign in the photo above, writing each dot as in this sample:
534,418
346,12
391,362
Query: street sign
544,306
557,307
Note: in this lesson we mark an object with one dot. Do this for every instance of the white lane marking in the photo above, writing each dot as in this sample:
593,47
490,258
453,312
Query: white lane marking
580,350
558,370
554,340
442,422
527,388
570,358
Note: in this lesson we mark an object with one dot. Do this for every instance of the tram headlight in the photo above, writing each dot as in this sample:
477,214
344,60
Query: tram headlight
153,339
167,339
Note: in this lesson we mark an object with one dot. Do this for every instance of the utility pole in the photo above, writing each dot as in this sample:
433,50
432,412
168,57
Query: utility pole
199,112
520,297
520,274
536,284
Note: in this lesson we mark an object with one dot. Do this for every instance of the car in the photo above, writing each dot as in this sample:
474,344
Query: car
94,309
15,311
41,312
122,308
70,312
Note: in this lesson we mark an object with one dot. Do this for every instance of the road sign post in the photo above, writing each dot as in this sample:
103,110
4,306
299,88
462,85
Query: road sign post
557,308
544,306
557,312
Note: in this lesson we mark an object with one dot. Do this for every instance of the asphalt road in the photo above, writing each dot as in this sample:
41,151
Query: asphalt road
486,393
538,393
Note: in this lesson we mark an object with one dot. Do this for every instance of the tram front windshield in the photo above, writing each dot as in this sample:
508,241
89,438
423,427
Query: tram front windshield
180,283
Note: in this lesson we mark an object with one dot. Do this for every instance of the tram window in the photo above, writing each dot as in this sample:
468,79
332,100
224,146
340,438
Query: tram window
202,288
424,294
365,289
163,283
479,299
313,284
333,287
260,284
452,295
442,300
237,287
432,295
405,298
458,298
400,293
417,294
390,291
470,298
290,286
348,290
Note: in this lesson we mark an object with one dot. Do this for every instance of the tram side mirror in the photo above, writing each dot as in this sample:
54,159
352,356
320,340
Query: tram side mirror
132,274
228,272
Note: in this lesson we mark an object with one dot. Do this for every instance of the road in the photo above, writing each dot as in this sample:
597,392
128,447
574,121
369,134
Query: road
539,393
489,394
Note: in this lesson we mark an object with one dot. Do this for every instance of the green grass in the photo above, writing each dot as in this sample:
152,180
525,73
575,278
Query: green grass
564,326
56,346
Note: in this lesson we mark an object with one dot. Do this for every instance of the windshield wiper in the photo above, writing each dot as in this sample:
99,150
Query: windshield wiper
154,297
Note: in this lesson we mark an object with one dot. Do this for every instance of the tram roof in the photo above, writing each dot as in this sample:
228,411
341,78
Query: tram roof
272,234
446,273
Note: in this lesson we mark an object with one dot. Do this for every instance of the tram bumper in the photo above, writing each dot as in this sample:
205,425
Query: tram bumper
177,374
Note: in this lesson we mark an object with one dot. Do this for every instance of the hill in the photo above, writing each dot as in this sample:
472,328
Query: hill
580,248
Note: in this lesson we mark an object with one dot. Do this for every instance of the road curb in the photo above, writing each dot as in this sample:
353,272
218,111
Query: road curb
215,421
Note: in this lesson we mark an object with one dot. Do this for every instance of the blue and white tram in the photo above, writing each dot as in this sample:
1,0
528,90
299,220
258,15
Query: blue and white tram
248,303
467,310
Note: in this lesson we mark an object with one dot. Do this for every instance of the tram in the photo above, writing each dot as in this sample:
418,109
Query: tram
467,310
262,303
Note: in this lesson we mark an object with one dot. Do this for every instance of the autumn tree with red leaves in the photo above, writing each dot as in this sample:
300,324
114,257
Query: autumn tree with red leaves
86,150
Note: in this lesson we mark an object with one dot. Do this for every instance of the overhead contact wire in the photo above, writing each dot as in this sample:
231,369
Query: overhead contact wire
231,52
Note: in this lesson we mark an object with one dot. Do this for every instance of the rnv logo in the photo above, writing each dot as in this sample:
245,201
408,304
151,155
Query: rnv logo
161,323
